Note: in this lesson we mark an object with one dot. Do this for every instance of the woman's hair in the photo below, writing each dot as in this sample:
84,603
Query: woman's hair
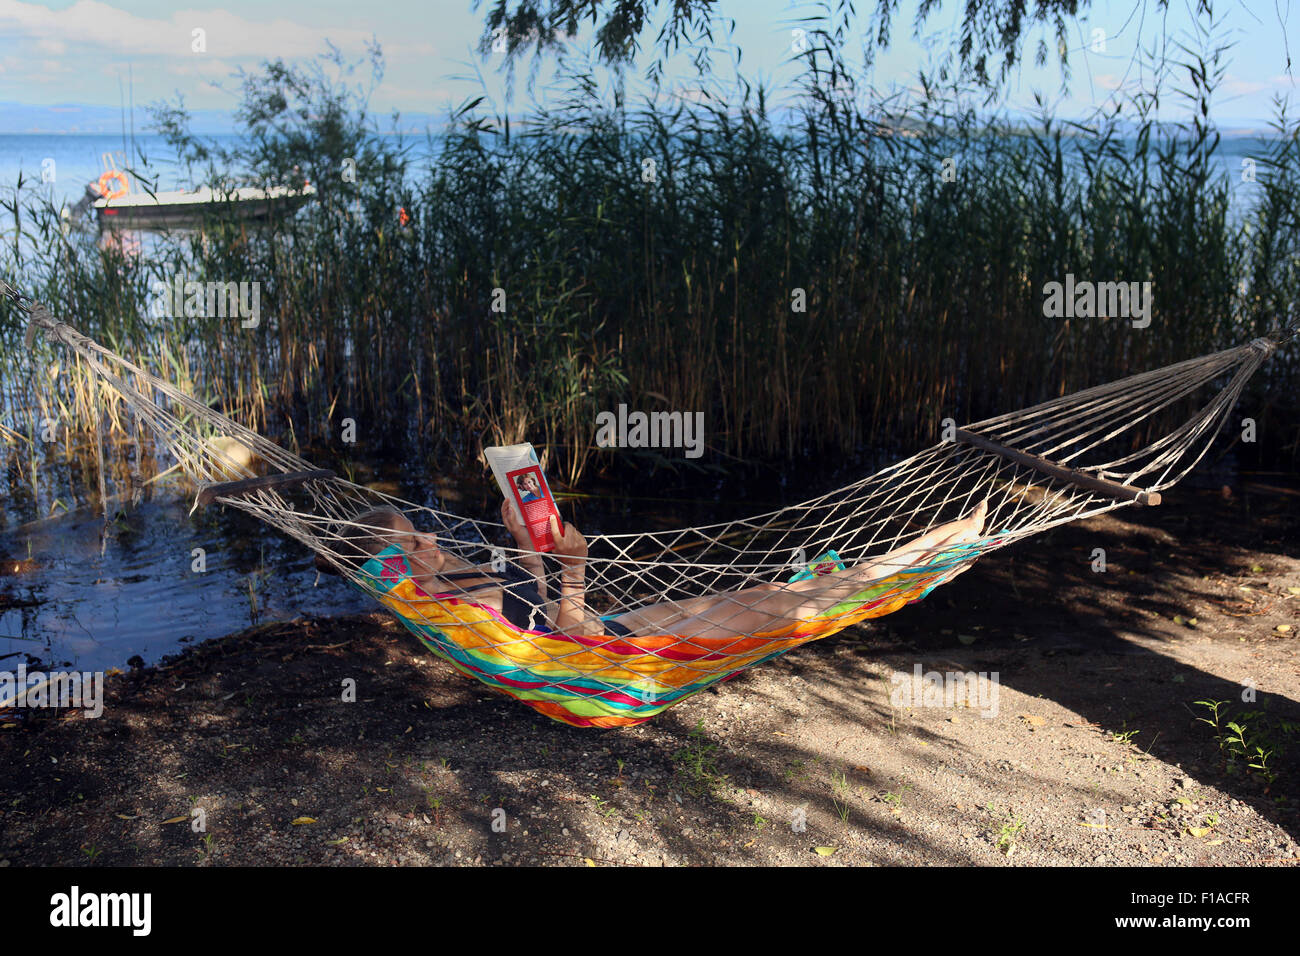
366,536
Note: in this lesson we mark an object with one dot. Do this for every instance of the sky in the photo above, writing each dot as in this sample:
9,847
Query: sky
76,53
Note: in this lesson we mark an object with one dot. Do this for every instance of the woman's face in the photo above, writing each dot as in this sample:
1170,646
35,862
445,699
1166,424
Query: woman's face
531,485
426,558
421,550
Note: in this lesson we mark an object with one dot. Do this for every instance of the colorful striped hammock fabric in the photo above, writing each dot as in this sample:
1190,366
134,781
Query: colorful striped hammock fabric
609,681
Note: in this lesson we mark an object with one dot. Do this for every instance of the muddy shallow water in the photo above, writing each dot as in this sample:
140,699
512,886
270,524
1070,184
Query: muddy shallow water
77,604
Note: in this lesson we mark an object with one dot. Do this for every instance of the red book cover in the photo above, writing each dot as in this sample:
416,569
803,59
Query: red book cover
520,476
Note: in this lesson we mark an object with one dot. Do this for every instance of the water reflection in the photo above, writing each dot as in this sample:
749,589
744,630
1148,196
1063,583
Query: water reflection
72,605
127,242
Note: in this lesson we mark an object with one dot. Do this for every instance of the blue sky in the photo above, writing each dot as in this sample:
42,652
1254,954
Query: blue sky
74,51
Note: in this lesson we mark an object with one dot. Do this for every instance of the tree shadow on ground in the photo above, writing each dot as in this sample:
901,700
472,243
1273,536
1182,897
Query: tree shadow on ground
1101,644
427,766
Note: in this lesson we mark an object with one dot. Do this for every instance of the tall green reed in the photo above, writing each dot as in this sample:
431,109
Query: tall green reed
652,254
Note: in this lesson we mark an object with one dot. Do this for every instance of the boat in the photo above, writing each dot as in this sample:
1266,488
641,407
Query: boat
188,208
118,206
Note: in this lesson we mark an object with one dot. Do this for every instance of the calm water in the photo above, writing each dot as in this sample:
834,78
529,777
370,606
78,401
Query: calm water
92,609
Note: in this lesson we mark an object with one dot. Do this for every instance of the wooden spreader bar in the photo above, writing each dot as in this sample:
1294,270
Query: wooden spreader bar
1061,472
231,489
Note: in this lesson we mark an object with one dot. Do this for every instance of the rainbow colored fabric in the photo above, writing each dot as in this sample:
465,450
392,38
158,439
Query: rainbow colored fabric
605,680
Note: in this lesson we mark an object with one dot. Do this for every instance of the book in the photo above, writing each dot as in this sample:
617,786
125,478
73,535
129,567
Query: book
519,474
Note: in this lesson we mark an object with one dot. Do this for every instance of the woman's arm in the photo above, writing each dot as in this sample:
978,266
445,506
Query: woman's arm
570,611
571,551
530,561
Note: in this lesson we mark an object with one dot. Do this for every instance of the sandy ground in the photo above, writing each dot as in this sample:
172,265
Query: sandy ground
1095,755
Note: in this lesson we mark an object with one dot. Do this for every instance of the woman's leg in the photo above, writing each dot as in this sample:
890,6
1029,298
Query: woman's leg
767,606
963,531
951,532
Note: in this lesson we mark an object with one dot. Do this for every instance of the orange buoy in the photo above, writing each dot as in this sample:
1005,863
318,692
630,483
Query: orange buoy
113,175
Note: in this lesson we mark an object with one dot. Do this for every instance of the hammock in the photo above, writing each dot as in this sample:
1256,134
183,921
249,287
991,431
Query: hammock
671,596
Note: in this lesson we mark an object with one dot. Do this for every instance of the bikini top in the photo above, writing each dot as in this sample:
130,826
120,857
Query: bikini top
521,601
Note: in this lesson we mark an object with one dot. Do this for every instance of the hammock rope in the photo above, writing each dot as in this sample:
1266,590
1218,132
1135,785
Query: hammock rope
684,608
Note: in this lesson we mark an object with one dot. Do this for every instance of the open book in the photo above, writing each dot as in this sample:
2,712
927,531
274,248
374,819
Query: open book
519,474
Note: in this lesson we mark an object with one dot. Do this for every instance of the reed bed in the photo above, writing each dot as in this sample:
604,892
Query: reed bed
673,290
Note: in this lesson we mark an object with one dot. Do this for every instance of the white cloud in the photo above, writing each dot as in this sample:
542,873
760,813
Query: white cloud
96,25
1238,86
204,68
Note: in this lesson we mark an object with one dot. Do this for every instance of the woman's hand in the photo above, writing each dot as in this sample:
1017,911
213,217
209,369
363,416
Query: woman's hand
515,527
570,545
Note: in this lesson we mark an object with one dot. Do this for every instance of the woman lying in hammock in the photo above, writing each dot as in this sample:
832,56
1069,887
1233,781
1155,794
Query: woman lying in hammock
519,593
